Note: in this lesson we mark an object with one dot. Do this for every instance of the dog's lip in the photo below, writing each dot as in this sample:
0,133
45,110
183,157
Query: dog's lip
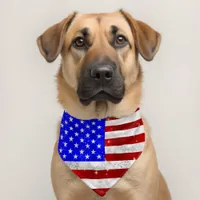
94,94
102,95
100,92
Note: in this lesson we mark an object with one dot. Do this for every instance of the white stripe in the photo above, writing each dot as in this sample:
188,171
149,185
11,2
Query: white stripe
125,133
100,165
127,148
124,120
100,183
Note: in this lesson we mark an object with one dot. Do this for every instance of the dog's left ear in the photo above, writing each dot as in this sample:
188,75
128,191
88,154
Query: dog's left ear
147,40
51,41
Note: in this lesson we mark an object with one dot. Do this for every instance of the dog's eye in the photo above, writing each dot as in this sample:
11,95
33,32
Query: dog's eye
79,43
120,41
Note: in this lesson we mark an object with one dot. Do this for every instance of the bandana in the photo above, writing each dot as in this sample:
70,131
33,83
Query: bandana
100,151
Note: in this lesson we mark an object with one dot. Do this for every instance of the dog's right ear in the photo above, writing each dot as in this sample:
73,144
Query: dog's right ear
51,41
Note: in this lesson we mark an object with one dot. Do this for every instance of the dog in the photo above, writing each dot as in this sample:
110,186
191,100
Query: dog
100,76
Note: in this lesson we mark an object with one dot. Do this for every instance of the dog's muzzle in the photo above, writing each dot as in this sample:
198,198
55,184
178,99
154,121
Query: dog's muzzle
101,81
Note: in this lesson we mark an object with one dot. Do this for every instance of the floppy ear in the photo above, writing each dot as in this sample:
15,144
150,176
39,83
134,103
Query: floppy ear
147,40
51,41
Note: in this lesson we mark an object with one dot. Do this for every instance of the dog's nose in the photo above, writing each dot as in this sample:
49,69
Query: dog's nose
103,73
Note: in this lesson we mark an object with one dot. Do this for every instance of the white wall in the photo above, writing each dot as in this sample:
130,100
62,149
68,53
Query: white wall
29,111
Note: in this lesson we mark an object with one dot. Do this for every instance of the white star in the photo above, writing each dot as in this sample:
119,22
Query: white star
71,119
61,125
87,156
93,123
87,126
93,141
87,146
76,134
61,137
66,122
65,144
70,150
71,139
87,135
98,136
82,130
75,156
64,156
66,132
98,127
99,156
76,145
98,146
82,140
71,128
76,125
93,151
93,131
82,122
96,172
60,150
81,151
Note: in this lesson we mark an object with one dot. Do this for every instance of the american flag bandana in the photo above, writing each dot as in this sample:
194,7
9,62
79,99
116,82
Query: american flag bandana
100,151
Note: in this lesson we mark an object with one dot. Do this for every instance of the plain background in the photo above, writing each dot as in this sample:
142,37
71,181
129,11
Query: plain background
29,111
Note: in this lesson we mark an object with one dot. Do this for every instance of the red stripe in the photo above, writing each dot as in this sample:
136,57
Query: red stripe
124,126
100,174
125,140
101,192
122,156
111,118
114,118
137,109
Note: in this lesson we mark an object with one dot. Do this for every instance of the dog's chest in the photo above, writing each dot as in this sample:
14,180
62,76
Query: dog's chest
101,151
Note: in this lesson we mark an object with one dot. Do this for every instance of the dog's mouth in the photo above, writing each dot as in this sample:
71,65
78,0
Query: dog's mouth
101,81
102,96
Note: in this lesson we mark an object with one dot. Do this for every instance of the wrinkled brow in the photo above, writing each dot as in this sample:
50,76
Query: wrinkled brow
85,32
114,29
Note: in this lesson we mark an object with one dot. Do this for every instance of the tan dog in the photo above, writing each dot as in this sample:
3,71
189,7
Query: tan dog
111,42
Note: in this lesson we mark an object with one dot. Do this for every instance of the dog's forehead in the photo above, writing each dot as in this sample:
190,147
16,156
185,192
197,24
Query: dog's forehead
104,21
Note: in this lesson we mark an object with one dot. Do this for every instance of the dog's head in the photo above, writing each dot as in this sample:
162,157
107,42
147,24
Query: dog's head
100,55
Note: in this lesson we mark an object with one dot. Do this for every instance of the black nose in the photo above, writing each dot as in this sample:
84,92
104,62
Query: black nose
102,73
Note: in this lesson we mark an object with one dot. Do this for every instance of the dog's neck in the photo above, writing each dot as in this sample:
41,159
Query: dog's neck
69,100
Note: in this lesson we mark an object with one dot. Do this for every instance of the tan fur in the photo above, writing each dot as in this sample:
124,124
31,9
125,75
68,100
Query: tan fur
143,181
